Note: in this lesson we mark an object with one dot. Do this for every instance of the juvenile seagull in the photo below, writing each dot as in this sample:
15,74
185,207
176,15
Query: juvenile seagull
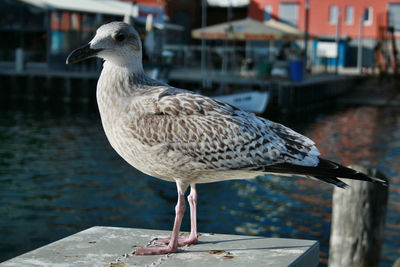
186,138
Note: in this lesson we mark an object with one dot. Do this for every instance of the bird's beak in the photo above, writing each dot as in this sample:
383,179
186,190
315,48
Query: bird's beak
81,53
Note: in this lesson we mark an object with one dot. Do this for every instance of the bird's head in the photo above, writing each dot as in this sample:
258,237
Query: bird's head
115,42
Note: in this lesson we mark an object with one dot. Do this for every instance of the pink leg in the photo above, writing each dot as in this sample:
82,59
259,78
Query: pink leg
192,238
192,199
173,243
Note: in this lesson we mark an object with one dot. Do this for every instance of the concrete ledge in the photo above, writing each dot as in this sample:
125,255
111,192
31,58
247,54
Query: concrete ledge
110,246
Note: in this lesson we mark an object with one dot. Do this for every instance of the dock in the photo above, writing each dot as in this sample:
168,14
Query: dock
113,246
374,93
286,96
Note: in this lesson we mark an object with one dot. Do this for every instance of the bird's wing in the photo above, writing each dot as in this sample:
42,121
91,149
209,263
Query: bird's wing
187,130
214,134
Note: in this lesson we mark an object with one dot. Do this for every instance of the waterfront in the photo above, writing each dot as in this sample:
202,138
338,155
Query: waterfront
58,175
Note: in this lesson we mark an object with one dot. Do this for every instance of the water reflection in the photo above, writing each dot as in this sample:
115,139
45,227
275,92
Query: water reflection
58,175
371,137
366,136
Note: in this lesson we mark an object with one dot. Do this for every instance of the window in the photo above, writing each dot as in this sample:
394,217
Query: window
267,12
75,22
368,16
333,14
349,16
288,13
394,16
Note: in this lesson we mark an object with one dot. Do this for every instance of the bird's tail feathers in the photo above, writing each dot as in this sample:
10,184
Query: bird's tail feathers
326,170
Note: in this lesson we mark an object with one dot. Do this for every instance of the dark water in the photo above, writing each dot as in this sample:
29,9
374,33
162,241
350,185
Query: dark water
59,175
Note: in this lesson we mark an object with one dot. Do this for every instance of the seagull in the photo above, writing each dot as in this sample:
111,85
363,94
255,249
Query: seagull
186,138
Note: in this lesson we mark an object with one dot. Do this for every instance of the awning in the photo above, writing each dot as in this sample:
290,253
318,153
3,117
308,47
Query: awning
289,32
107,7
228,3
245,30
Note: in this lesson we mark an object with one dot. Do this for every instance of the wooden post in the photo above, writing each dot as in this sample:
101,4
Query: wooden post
358,220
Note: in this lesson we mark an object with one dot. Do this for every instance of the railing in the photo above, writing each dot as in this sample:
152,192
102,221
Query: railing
217,57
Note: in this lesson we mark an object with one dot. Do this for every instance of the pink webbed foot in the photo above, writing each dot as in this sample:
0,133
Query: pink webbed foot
154,250
182,240
165,248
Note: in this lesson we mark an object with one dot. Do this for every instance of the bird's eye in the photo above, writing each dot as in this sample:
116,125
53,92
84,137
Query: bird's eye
120,37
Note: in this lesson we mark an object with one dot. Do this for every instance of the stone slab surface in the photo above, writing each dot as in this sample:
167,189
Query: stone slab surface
111,246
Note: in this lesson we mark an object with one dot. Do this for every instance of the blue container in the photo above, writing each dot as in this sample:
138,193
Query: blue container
296,70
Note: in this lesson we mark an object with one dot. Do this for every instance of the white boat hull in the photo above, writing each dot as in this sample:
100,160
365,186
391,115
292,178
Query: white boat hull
253,101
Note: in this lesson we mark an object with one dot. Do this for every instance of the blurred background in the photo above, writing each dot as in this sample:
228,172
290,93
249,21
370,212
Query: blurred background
328,69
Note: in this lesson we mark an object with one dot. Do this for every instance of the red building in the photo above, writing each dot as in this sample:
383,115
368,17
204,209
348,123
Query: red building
187,13
323,15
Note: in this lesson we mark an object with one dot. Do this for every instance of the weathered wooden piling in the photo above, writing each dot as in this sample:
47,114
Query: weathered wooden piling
358,220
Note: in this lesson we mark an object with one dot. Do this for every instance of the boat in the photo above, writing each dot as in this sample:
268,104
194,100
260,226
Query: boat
252,101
